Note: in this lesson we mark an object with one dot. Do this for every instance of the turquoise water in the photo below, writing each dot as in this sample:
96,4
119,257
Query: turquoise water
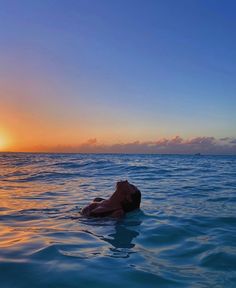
183,236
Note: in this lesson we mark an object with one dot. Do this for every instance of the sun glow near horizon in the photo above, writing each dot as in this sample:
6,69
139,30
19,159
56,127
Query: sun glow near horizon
3,144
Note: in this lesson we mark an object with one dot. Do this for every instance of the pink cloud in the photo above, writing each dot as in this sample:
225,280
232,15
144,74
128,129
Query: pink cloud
175,145
176,140
92,141
201,141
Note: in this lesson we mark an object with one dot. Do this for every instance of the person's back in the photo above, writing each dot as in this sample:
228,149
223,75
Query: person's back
126,198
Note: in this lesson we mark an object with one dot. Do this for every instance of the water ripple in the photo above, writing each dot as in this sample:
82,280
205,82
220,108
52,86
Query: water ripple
183,236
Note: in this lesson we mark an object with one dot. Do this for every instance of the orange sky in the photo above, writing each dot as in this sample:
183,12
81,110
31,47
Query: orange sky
36,116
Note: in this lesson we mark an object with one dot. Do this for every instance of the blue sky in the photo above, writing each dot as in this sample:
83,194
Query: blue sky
117,71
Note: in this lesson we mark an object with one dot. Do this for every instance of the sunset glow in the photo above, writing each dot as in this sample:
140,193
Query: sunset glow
3,143
86,74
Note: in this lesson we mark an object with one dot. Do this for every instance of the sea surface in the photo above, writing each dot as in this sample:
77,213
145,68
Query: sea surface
184,235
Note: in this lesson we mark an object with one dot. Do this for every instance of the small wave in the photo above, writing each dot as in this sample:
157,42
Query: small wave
2,209
219,260
46,253
152,274
89,253
49,176
218,199
164,234
73,165
17,217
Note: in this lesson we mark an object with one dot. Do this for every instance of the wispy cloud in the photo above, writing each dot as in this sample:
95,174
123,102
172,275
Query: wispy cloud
175,145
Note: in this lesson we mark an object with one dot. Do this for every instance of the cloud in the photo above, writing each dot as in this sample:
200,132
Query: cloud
225,139
91,142
175,145
233,141
201,141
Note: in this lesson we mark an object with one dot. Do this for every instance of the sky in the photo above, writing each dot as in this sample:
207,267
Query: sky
130,76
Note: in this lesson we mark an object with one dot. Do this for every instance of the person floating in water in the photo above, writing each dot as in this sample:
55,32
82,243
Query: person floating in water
126,198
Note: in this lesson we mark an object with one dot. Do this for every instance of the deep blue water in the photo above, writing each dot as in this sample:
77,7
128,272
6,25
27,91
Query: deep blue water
183,236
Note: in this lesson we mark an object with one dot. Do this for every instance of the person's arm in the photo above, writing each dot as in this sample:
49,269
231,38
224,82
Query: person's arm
101,209
118,213
86,210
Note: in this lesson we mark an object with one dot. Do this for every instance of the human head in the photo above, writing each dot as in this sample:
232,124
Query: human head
132,196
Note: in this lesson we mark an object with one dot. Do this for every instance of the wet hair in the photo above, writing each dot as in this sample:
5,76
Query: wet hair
128,206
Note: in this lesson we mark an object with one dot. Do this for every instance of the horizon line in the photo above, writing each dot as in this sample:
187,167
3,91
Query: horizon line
113,153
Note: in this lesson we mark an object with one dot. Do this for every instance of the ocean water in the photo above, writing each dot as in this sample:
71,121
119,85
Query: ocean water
183,236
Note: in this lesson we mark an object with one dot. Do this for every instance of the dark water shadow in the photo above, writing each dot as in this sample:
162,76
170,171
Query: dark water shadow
122,237
121,240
